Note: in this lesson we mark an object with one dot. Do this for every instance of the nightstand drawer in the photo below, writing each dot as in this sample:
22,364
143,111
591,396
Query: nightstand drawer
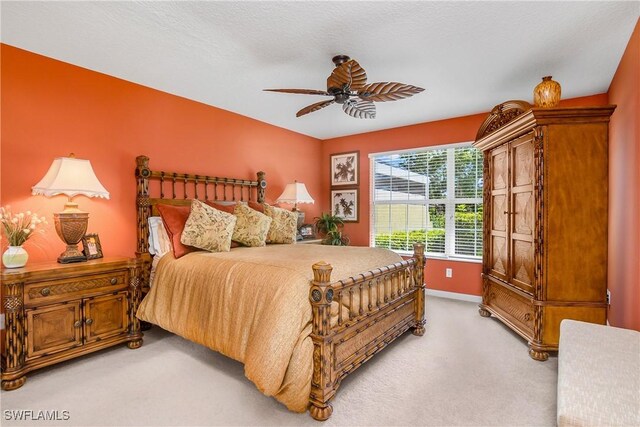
61,290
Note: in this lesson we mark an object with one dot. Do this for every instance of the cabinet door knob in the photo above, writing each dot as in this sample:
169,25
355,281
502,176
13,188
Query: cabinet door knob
45,291
114,280
88,321
77,324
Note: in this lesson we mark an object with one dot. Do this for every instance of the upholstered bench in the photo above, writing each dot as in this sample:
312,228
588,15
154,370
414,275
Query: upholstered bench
598,375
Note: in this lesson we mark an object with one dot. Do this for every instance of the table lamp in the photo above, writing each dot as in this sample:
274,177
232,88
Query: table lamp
71,177
296,193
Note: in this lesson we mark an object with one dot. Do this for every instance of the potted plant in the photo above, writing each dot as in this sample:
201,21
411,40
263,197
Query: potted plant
330,226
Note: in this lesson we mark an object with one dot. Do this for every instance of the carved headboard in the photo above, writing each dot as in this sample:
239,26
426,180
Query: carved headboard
501,115
179,189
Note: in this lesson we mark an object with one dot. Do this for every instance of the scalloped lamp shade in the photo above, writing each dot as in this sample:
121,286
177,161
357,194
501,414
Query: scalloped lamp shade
296,193
71,177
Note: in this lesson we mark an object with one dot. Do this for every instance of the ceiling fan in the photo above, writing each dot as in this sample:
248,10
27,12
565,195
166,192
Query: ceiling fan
348,86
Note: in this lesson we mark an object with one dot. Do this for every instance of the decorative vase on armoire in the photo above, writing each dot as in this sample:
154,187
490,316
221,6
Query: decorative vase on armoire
547,93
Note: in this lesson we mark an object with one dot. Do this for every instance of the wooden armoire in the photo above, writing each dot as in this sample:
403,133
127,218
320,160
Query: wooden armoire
545,218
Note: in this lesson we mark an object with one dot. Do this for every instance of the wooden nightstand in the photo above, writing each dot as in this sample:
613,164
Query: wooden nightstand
55,312
309,242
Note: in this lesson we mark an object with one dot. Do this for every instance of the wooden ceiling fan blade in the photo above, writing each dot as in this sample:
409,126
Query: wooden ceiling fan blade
314,107
348,74
300,91
387,91
360,109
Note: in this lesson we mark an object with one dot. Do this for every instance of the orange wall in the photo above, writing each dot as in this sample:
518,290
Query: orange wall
51,108
624,185
466,275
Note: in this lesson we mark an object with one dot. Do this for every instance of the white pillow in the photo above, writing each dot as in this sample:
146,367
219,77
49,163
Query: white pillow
153,231
159,242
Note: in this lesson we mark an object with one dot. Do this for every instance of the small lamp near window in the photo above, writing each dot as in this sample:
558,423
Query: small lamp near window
71,177
293,194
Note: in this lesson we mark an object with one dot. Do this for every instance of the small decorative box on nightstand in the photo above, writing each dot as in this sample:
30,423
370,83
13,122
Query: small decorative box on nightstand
55,312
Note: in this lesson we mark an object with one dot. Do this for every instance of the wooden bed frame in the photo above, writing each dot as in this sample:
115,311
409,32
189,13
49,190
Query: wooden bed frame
398,305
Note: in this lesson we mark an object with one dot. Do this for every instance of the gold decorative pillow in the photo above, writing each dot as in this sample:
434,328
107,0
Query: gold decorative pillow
284,226
251,227
208,228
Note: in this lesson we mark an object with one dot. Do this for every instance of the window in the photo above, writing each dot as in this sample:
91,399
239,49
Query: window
431,196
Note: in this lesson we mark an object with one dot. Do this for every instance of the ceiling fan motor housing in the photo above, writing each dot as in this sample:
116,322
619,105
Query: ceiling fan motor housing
340,59
341,97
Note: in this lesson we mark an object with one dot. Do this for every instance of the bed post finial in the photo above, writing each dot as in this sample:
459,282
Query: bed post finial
321,296
262,186
418,255
142,161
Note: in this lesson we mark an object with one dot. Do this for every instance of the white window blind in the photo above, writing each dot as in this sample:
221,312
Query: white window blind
431,196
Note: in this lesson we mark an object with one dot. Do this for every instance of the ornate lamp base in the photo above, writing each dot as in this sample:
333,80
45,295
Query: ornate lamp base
300,218
71,225
71,254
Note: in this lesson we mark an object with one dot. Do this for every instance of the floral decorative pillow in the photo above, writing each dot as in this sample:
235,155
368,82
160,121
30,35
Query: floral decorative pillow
208,228
251,227
229,208
284,226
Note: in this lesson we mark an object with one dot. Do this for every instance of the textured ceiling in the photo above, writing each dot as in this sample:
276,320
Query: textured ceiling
468,56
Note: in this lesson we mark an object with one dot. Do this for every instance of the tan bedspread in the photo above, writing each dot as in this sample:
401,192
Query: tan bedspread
252,304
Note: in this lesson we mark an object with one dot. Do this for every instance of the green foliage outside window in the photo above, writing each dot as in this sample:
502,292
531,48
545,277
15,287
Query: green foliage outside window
466,224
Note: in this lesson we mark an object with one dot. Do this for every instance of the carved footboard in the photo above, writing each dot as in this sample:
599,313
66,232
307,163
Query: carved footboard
374,309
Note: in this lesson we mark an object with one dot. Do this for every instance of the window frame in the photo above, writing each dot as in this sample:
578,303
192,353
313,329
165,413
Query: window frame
450,203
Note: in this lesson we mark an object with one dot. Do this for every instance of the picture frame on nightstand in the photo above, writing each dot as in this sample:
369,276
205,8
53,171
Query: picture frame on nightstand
307,231
91,246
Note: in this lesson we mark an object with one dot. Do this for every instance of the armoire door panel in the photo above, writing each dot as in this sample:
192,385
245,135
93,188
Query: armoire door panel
523,170
499,218
522,265
524,213
498,260
499,168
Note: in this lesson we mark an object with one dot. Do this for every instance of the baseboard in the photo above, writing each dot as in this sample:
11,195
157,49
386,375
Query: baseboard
454,295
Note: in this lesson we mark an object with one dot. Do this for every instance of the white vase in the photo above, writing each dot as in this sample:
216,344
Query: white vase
15,257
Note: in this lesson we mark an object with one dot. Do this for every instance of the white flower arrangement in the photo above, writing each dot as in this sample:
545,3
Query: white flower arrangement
20,227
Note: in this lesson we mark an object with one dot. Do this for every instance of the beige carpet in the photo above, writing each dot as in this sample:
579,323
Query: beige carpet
466,370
